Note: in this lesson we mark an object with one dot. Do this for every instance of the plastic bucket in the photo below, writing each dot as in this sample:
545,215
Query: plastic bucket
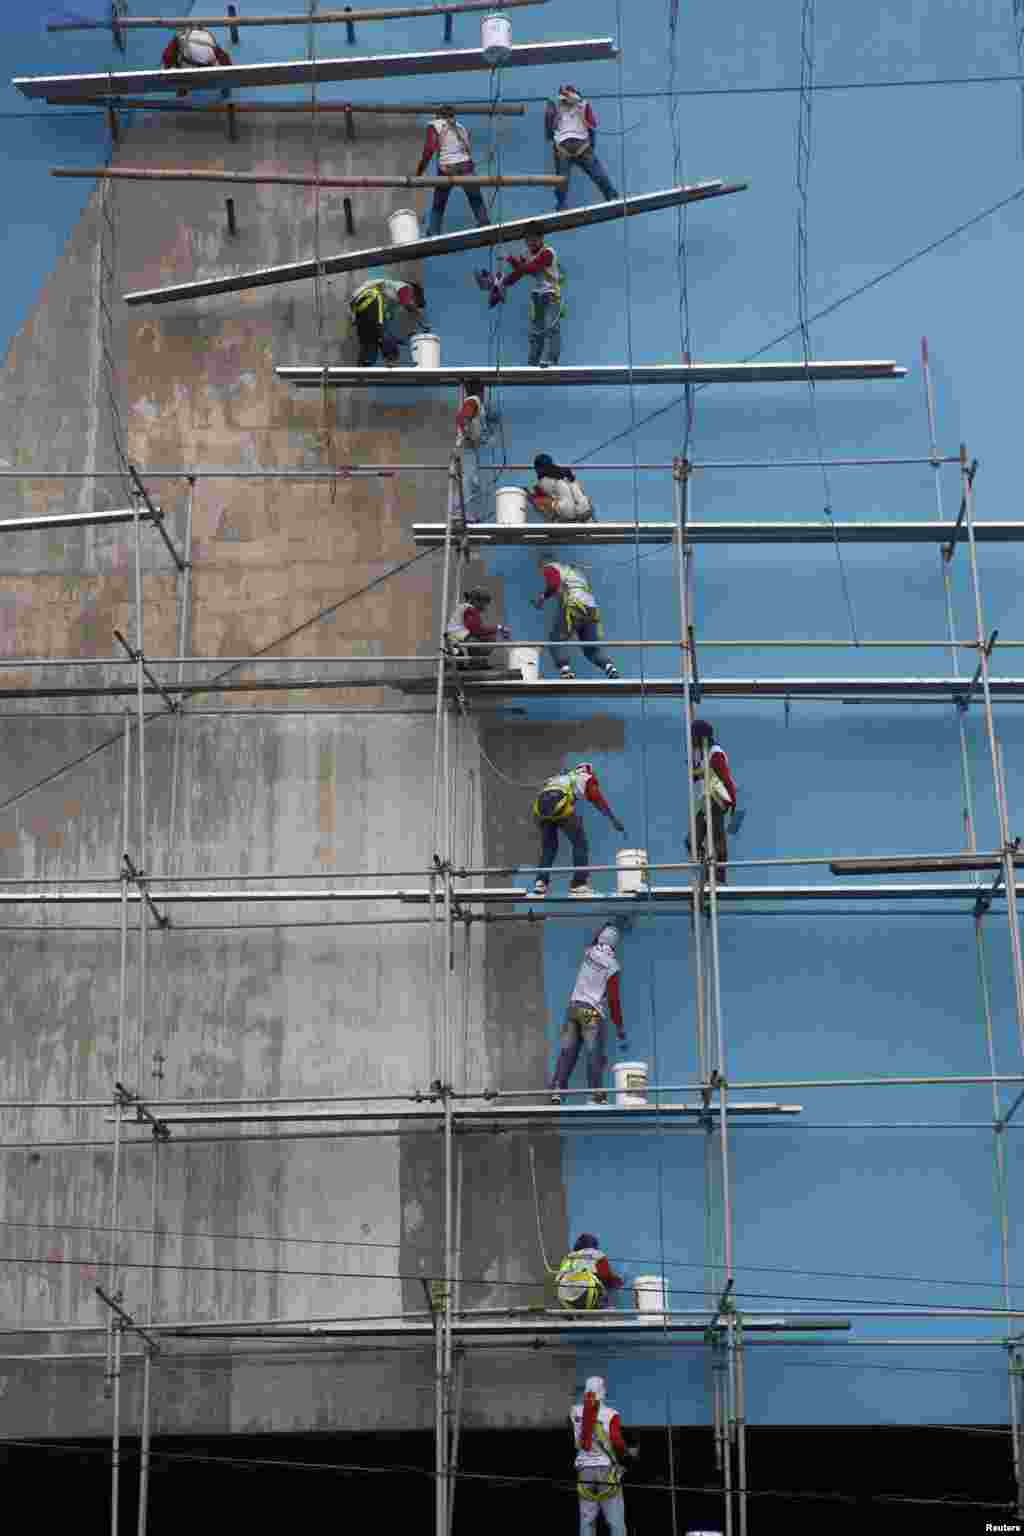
649,1298
630,1079
631,871
496,38
403,226
426,350
525,658
511,504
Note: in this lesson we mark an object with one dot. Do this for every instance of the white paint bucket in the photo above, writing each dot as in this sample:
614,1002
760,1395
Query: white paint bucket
403,226
630,1079
631,871
511,504
649,1298
426,350
496,38
525,658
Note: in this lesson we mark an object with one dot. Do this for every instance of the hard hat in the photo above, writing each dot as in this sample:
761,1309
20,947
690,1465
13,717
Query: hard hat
585,1240
541,462
598,1386
477,596
609,935
701,730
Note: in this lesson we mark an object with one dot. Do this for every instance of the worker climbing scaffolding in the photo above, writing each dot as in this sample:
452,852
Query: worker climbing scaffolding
472,428
595,994
554,811
710,761
579,617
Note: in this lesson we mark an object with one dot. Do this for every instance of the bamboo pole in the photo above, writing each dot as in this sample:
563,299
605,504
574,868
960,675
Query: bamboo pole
320,18
252,178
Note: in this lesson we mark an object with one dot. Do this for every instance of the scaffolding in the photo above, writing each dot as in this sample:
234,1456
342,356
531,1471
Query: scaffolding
451,897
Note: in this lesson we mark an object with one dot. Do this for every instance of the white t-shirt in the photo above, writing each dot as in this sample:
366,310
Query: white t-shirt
453,143
591,988
571,122
198,47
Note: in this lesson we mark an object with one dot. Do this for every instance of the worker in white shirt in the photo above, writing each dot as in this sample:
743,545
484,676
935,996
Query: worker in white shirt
601,1455
554,811
449,140
558,496
541,266
467,639
709,758
595,993
579,617
571,127
471,430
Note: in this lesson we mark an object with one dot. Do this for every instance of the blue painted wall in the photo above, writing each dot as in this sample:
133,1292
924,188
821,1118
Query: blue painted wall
827,1216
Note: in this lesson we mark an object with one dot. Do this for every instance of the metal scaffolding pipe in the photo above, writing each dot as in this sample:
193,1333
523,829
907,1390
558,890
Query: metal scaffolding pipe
290,19
323,183
279,108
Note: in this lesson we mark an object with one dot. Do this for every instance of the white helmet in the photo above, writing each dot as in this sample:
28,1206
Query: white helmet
608,935
597,1385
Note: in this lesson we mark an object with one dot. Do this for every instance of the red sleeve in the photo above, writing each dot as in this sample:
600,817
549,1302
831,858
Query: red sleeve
589,118
543,258
169,57
720,763
607,1275
589,1420
594,795
552,581
615,1002
461,417
549,120
615,1436
430,144
222,57
477,629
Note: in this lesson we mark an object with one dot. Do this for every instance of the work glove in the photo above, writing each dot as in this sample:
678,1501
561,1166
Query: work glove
504,633
617,824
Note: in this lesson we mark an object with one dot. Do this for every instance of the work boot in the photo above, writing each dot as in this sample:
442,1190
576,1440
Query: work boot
611,672
582,888
540,887
566,672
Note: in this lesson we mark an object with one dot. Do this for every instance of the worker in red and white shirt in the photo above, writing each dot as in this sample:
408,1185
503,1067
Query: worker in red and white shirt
584,1280
193,48
601,1454
595,994
571,127
578,618
467,638
554,811
471,431
541,266
710,760
449,140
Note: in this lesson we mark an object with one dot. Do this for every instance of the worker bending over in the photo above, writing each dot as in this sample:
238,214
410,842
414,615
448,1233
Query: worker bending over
193,48
541,266
375,307
601,1454
710,759
558,496
585,1277
571,127
449,140
554,811
471,431
579,617
467,639
594,994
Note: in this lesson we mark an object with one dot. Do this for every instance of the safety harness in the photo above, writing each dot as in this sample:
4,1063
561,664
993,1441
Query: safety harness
613,1483
559,797
579,1273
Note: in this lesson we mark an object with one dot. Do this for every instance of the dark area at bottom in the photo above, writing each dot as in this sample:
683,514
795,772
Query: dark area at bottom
803,1479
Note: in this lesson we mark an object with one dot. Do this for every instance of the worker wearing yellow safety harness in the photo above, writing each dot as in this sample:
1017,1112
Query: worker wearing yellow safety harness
579,617
374,307
584,1278
601,1453
554,811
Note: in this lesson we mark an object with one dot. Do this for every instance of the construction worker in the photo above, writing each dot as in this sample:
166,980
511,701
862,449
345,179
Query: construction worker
375,306
193,48
448,139
710,758
571,127
471,430
578,618
558,496
585,1277
467,638
541,265
601,1454
596,989
554,810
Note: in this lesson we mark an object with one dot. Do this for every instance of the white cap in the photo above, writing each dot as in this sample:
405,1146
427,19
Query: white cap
596,1384
609,935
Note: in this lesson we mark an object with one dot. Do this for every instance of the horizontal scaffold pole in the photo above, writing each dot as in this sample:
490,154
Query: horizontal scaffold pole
316,376
477,238
316,18
432,535
350,108
254,179
382,66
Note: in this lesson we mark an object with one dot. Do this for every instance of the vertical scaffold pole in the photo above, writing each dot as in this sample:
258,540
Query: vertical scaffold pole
681,475
184,606
147,1374
115,1445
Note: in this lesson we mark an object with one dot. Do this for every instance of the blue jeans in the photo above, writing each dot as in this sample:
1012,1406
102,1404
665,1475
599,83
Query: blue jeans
471,483
613,1509
584,1029
573,828
587,630
545,328
442,194
588,161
